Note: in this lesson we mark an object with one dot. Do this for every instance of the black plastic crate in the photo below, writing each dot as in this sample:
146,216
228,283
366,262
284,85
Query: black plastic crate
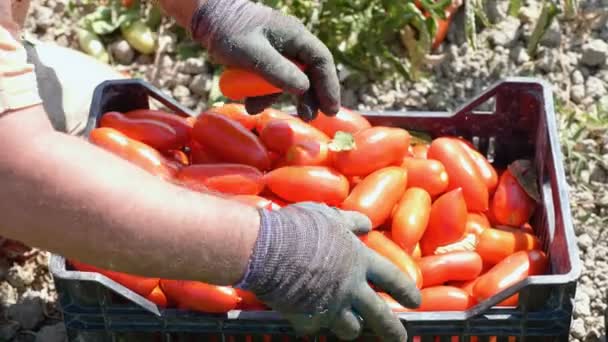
511,120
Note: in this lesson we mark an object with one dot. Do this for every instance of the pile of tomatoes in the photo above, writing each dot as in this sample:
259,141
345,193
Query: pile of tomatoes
440,211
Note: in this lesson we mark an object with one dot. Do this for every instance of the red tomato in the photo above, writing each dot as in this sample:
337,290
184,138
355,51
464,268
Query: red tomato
178,156
393,304
199,296
411,218
346,120
429,175
256,201
180,124
495,245
308,183
438,269
230,140
237,84
377,194
509,271
280,135
486,170
235,179
134,151
249,301
271,114
156,134
419,151
388,249
304,153
157,296
476,223
140,285
445,298
447,222
466,285
462,172
526,227
511,205
236,112
376,147
191,120
200,155
417,254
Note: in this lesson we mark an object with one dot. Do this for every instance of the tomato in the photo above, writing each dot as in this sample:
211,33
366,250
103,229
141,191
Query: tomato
236,112
346,121
199,296
438,269
230,140
511,205
429,175
447,222
134,151
271,114
466,285
476,223
280,135
376,147
526,227
419,151
417,253
249,301
237,84
510,271
191,120
311,153
157,296
308,183
154,133
180,124
486,170
256,201
388,249
236,179
200,155
393,304
496,244
140,285
178,156
462,172
411,218
445,298
377,194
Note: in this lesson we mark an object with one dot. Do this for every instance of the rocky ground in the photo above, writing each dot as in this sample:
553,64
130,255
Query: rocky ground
572,56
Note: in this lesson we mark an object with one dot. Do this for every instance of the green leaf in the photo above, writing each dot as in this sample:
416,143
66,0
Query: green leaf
547,15
342,141
103,27
514,7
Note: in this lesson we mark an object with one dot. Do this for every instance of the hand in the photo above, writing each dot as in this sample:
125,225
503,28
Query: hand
18,85
309,265
254,37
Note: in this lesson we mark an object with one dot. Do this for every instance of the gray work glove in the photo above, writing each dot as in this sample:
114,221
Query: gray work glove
251,36
308,265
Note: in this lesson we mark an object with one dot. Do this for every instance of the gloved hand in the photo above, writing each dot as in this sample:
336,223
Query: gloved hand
18,85
254,37
309,265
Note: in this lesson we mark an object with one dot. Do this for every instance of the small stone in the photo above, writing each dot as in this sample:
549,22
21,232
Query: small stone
193,66
169,41
8,294
595,87
21,276
189,101
577,93
52,333
123,52
8,330
529,14
505,32
595,53
144,59
552,36
577,328
585,241
44,17
183,79
577,77
62,41
200,85
29,313
181,91
548,60
166,62
520,55
497,10
598,174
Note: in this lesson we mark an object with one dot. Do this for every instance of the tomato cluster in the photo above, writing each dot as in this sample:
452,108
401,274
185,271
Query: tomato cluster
440,211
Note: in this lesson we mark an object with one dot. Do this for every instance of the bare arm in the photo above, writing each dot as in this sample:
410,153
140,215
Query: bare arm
62,194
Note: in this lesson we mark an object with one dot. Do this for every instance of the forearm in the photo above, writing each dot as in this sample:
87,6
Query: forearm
65,195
